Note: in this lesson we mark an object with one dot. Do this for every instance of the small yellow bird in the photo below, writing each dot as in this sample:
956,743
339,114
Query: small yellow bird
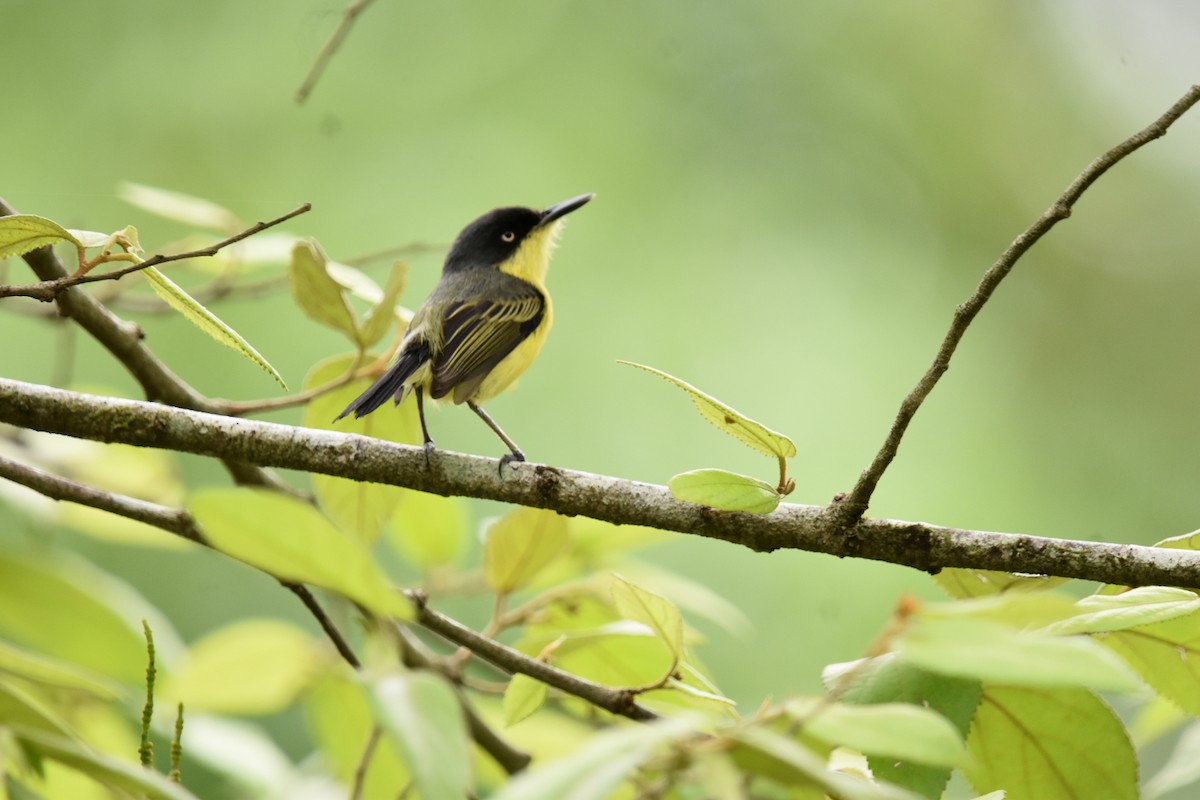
485,321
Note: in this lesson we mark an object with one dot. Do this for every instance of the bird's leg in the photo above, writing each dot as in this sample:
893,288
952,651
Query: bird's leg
429,446
516,454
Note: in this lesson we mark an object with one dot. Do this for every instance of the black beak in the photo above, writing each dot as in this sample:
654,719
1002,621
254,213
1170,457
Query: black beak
565,207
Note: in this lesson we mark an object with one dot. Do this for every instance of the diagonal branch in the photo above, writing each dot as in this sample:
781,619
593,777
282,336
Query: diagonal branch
854,504
813,528
50,289
179,522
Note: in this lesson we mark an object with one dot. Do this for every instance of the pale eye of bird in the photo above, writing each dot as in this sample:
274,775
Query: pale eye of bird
508,236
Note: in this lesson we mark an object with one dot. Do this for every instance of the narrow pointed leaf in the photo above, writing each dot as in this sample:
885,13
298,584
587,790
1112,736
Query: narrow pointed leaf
180,207
174,296
382,317
727,491
751,433
1146,605
653,610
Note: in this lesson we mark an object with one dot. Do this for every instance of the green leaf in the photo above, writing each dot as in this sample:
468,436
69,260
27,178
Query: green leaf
341,722
355,281
1041,744
54,673
361,508
320,297
692,596
1185,541
19,707
727,491
519,544
1100,613
429,530
751,433
1166,655
422,712
67,608
985,582
290,539
990,652
888,679
21,233
652,610
180,207
593,771
254,666
523,696
900,731
174,296
786,761
383,315
113,772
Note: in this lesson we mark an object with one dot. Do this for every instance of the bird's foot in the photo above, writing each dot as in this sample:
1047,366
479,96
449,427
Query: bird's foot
508,458
429,448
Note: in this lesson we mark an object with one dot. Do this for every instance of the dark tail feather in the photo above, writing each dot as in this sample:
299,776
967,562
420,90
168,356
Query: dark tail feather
411,358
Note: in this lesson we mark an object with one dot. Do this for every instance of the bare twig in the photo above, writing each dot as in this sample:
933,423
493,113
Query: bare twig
172,520
349,14
855,504
48,290
814,528
615,700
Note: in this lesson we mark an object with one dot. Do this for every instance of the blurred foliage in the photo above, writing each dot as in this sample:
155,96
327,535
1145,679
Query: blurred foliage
792,197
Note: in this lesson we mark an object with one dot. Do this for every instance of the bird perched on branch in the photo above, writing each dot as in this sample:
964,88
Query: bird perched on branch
485,321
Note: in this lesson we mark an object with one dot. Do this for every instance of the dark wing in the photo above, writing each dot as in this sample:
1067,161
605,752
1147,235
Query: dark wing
477,334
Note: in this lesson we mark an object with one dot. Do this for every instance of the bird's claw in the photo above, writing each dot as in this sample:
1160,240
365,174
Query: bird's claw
429,448
508,458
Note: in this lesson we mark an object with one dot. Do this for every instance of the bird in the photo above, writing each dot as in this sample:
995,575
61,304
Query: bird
484,322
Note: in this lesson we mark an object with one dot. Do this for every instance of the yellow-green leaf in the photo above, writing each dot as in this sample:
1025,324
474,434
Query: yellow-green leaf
429,530
523,696
1101,613
320,297
180,207
1167,656
253,666
753,434
290,539
357,507
383,315
983,582
1042,744
519,544
68,608
900,731
174,296
54,673
653,610
21,233
132,778
987,651
341,722
727,491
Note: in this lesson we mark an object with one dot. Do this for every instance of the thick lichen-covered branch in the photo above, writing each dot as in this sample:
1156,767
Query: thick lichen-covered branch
817,529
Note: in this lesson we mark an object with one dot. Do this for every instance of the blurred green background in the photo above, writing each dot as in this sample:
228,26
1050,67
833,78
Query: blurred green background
792,197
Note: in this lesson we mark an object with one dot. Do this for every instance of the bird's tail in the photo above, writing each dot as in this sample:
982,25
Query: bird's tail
391,385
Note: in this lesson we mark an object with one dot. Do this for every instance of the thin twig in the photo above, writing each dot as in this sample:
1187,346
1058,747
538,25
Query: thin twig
364,762
818,529
49,290
853,505
616,700
331,630
335,41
